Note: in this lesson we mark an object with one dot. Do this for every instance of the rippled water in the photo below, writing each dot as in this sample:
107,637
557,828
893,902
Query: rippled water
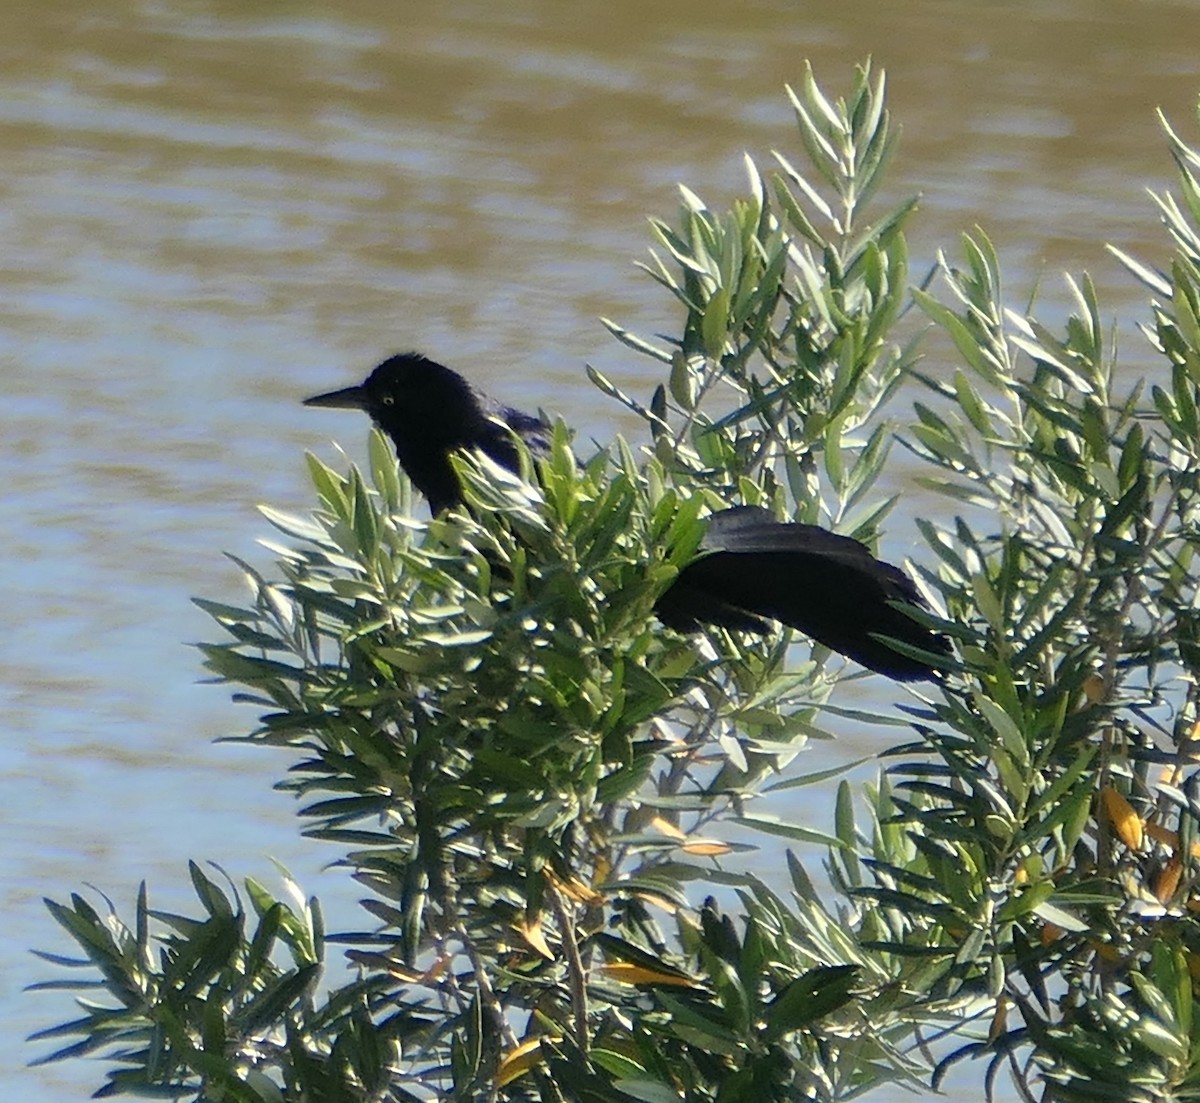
209,210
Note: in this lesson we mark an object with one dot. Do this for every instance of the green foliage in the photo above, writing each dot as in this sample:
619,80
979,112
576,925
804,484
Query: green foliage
787,347
545,796
201,1002
1079,910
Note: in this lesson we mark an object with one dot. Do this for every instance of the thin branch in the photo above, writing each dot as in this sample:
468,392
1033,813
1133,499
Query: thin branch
576,975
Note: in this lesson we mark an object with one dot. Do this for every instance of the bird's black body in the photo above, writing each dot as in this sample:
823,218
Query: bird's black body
751,570
429,412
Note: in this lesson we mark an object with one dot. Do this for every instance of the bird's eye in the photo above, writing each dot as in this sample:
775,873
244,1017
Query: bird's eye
388,400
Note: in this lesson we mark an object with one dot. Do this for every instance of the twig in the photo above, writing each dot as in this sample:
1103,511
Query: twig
576,977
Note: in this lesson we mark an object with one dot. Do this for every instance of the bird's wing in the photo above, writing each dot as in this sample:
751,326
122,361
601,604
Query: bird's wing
749,528
745,530
494,436
536,433
752,568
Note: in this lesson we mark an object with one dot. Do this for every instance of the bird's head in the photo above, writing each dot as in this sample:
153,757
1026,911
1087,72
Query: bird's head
409,393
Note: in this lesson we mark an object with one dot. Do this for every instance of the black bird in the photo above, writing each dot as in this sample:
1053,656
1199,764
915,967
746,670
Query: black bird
751,569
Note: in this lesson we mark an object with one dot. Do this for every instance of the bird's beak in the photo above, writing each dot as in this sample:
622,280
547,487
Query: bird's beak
348,398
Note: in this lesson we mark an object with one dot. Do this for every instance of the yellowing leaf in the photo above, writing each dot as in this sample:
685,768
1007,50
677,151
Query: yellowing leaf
1125,821
531,931
1167,881
999,1024
1050,934
404,973
519,1061
399,970
575,889
658,901
706,849
638,974
661,823
1163,835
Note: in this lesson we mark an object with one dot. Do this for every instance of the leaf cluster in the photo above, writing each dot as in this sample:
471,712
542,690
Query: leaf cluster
787,351
543,795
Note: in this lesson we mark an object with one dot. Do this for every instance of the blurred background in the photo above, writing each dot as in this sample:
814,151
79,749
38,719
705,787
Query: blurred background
210,209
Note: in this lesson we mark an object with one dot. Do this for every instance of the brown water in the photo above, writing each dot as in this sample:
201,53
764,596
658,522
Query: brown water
209,210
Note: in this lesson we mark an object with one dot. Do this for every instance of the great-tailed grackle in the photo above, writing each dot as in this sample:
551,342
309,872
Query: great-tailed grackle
751,569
